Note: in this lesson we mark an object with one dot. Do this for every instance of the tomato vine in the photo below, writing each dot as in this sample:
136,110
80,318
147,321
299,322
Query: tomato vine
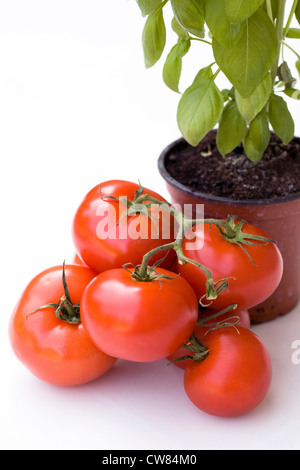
230,229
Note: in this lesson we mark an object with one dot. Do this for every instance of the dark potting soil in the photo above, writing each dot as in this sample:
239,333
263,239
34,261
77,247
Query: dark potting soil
203,169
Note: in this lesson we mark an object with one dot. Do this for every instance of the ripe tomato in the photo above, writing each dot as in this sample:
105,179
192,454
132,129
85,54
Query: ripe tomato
105,239
234,378
139,321
206,323
248,283
53,350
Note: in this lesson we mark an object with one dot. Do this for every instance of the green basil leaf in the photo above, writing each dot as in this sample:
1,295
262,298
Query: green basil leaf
274,8
258,137
190,15
250,106
173,65
224,32
178,29
240,10
200,107
292,93
252,56
293,33
232,129
148,6
154,37
281,119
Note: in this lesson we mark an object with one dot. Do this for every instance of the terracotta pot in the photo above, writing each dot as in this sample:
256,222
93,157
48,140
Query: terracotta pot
280,220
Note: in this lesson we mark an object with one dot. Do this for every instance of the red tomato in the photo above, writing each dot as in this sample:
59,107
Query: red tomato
105,239
202,329
139,321
53,350
249,283
234,378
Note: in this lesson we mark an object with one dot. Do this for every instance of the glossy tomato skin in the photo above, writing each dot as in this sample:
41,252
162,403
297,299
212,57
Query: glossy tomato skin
139,321
104,240
53,350
234,378
201,331
249,284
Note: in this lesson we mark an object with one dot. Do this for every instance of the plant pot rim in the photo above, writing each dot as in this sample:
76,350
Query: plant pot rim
210,197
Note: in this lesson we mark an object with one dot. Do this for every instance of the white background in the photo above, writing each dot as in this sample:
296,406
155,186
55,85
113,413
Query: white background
77,107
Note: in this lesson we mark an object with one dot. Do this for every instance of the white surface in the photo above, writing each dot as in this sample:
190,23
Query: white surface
77,107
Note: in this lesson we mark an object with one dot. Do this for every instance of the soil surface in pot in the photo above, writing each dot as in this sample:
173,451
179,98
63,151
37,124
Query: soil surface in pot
203,169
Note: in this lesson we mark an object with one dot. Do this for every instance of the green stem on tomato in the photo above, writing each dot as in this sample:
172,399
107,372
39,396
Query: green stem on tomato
212,289
143,271
229,230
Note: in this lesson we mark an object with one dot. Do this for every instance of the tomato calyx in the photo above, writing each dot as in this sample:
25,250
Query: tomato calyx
150,275
141,204
64,309
233,233
213,290
198,349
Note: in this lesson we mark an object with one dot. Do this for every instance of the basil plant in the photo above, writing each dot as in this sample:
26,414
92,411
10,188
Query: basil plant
248,39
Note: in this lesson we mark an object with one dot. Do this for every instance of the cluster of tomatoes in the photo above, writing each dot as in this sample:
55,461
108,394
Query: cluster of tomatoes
73,322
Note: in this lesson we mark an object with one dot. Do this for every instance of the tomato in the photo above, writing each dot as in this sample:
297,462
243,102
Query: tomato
53,350
106,238
234,378
139,321
250,280
205,324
